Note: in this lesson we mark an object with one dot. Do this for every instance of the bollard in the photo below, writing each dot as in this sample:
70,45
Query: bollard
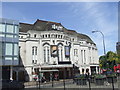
64,78
39,79
52,79
39,83
89,84
112,83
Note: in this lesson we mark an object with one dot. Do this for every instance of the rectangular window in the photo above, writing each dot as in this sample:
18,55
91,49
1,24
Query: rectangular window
9,49
15,36
32,50
61,55
44,55
1,50
16,29
82,55
2,35
35,61
15,58
8,58
48,55
75,52
2,27
9,28
15,49
67,51
32,61
35,50
85,56
9,36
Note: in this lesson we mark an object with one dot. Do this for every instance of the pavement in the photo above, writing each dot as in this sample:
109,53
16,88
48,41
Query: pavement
69,85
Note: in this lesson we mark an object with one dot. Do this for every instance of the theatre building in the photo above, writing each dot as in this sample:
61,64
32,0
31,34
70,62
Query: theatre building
49,48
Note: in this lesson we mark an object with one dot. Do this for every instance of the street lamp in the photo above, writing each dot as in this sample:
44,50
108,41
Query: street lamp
103,40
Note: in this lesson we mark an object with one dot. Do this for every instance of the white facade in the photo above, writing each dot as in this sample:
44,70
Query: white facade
35,50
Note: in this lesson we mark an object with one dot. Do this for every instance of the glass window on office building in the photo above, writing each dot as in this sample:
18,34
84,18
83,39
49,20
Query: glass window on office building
16,29
9,49
15,58
2,27
15,49
2,35
8,58
9,36
10,29
0,50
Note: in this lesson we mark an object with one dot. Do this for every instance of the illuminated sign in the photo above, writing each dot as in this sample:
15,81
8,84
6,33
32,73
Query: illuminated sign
57,27
54,50
67,51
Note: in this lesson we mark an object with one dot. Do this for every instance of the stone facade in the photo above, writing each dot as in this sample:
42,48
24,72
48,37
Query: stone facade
49,46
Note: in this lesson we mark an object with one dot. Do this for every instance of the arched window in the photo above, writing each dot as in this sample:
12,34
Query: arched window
46,36
34,50
46,52
56,36
35,35
61,36
43,36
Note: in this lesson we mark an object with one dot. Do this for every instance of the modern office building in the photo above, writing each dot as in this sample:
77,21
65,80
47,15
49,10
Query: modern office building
118,47
48,47
9,37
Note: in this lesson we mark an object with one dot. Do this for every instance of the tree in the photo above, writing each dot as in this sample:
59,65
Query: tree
103,61
109,60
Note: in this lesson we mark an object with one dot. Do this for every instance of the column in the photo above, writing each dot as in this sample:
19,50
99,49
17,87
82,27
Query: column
17,75
96,69
11,72
90,70
83,56
46,54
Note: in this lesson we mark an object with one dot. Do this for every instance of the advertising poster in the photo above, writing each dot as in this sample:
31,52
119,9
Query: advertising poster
67,51
54,50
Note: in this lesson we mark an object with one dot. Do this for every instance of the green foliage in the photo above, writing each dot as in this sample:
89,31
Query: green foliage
109,60
112,75
99,76
81,76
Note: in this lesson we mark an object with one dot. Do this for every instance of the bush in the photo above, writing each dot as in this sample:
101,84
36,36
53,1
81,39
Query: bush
100,76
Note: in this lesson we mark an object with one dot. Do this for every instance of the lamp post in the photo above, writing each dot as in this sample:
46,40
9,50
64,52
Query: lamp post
103,40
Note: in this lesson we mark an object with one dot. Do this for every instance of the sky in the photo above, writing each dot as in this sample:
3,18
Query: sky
83,17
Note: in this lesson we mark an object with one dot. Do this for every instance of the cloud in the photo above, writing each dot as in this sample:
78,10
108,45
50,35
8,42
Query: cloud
99,16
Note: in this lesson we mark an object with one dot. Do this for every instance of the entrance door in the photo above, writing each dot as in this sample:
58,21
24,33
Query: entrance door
21,76
6,72
14,75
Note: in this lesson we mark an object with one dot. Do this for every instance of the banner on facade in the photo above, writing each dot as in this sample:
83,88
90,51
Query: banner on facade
67,51
54,50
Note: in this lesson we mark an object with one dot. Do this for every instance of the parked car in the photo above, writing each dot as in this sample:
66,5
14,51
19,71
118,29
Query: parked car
8,84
